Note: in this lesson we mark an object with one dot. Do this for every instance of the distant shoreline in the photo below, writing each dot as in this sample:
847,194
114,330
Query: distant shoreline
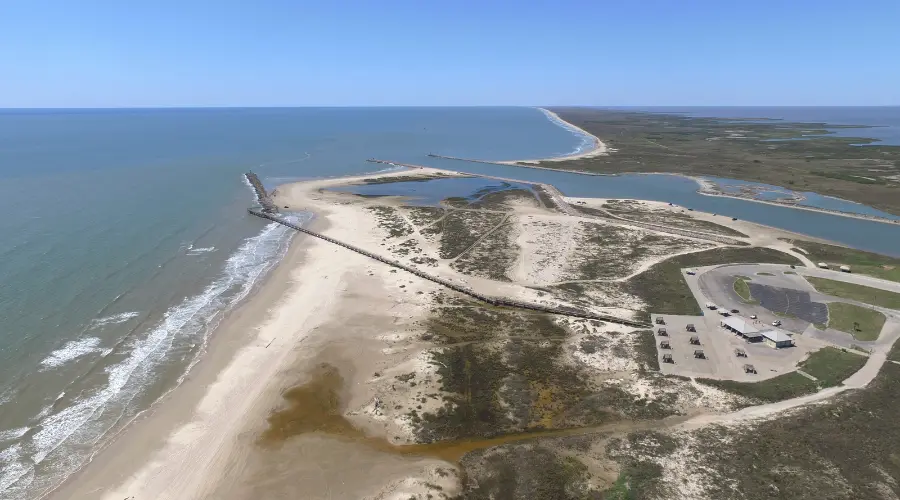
707,188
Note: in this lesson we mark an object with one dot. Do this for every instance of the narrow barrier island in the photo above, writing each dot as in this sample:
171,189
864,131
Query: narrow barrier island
494,301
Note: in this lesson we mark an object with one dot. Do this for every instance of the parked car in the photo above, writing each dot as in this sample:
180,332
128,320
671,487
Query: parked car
752,316
776,323
691,272
734,311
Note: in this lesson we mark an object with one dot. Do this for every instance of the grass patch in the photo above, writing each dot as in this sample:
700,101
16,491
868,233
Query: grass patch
829,365
664,290
502,372
847,448
391,221
861,322
860,262
605,251
460,229
787,386
790,272
866,294
764,273
742,289
533,471
492,257
645,348
636,481
832,365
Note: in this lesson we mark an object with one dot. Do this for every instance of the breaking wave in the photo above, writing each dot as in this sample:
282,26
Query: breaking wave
114,319
71,351
67,432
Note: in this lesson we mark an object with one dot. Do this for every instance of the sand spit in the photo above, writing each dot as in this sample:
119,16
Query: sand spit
598,147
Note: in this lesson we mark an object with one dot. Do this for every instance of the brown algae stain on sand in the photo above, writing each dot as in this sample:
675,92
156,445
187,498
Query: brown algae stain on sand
316,407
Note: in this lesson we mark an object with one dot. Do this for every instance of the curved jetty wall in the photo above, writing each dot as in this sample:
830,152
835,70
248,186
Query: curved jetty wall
262,197
496,301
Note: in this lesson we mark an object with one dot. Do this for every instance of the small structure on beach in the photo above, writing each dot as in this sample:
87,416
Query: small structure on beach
740,352
665,345
748,368
690,327
698,353
695,340
660,320
662,332
667,358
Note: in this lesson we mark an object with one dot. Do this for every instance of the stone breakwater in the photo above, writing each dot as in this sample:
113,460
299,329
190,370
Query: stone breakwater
495,301
262,197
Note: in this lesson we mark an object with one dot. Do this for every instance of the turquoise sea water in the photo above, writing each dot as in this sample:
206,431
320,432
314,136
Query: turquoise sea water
125,239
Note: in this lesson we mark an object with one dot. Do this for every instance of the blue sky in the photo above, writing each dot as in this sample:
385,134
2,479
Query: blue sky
92,53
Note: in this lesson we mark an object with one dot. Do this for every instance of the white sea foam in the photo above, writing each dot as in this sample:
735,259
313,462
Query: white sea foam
200,250
392,168
71,351
91,416
12,467
115,319
10,434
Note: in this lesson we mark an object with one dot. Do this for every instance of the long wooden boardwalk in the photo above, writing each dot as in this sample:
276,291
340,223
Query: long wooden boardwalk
496,301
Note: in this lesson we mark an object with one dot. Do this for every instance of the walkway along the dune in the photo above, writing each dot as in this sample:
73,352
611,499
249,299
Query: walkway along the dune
495,301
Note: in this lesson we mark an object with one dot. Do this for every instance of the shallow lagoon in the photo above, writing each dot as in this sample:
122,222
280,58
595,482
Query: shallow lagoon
874,236
430,192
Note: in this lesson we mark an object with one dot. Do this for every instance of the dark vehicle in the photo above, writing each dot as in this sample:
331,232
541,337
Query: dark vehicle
793,266
734,311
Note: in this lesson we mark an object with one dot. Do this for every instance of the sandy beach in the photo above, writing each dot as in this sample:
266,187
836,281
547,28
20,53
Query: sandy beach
322,304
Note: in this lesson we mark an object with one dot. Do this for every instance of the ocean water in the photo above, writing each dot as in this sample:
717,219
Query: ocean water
126,240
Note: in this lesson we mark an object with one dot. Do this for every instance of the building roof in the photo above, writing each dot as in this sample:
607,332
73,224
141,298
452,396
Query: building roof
776,335
739,325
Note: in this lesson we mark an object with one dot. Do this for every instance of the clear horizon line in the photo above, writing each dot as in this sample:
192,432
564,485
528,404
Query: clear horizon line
182,107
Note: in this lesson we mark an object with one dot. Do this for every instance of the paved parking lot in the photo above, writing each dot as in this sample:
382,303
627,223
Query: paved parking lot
718,345
789,301
785,293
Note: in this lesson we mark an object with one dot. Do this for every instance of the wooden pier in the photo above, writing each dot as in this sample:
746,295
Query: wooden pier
495,301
